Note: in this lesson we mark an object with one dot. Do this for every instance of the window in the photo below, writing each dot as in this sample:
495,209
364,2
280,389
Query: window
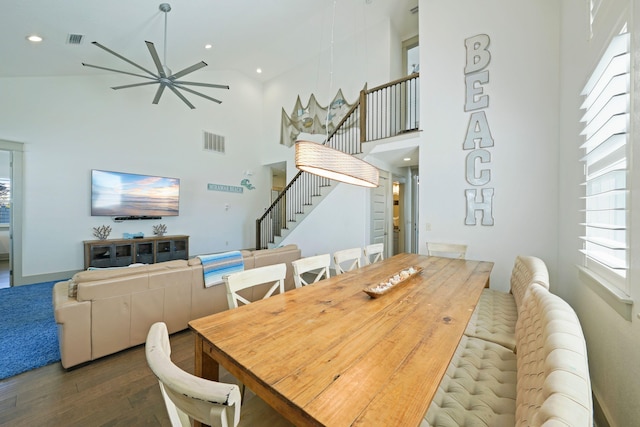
606,124
5,199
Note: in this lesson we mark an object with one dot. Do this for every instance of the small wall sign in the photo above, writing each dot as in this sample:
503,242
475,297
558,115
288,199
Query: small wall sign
225,188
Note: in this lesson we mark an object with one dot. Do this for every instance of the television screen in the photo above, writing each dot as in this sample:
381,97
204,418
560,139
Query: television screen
127,194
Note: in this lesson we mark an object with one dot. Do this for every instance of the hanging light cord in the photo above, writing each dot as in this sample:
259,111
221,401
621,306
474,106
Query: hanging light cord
333,24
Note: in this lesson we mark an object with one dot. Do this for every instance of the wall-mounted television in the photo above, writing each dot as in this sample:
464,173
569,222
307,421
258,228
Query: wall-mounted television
131,195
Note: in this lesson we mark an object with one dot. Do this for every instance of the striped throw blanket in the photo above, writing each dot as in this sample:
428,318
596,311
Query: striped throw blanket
215,266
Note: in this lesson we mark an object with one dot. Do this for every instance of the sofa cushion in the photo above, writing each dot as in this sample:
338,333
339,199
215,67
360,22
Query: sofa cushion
168,265
494,318
112,287
479,387
108,273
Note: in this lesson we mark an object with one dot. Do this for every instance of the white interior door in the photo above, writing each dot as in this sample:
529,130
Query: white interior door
380,202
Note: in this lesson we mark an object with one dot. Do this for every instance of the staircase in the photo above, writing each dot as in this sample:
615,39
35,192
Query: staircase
382,112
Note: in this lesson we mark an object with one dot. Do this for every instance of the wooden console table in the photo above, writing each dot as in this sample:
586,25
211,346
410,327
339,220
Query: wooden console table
122,252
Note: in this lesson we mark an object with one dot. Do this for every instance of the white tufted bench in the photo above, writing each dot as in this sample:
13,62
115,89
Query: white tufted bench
495,316
554,387
545,383
479,387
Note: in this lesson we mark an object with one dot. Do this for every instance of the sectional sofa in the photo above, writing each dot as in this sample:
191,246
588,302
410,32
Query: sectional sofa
101,312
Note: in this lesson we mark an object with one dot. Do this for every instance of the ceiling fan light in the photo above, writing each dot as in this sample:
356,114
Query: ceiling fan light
164,77
324,161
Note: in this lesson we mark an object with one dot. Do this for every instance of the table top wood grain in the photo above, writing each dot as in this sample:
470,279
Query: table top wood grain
329,354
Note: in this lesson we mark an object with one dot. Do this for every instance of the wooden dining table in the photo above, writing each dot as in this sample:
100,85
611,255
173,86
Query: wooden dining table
329,354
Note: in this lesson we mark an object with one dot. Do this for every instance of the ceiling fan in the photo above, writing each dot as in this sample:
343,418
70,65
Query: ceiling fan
164,78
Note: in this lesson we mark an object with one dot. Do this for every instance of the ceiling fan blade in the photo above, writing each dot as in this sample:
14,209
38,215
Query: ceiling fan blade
159,92
181,96
123,58
199,94
118,71
134,85
188,70
156,58
202,84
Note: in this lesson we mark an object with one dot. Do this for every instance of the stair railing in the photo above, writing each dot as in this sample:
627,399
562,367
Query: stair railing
382,112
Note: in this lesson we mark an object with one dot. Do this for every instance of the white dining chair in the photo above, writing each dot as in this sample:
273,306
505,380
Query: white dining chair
270,275
375,251
350,257
317,265
188,397
447,250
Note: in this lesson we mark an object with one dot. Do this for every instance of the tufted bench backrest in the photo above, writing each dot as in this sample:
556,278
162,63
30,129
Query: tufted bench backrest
527,270
553,385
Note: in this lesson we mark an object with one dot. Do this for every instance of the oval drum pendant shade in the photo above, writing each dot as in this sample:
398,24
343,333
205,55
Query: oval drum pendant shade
327,162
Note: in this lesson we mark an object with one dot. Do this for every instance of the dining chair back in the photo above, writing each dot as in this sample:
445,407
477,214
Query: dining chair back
373,253
446,250
186,396
272,276
317,265
348,257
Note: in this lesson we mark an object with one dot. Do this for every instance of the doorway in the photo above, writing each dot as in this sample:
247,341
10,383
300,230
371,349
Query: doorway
5,216
11,184
398,217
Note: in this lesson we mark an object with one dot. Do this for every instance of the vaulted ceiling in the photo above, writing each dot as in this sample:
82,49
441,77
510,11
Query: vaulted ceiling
273,35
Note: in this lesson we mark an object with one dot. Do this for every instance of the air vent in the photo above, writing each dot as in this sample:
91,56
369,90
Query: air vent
213,142
74,38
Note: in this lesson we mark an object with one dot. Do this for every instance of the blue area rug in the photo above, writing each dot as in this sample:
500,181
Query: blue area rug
28,331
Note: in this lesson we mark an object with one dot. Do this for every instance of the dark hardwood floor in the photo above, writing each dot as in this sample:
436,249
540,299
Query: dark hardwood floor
117,390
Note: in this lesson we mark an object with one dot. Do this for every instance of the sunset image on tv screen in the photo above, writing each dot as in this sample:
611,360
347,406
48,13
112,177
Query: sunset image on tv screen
125,194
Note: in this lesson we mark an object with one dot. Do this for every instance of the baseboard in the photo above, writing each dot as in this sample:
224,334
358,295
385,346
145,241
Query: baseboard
599,417
40,278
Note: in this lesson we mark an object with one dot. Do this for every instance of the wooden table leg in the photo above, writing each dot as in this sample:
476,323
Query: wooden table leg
205,366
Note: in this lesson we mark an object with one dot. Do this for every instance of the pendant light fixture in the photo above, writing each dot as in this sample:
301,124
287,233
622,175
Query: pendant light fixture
327,162
321,160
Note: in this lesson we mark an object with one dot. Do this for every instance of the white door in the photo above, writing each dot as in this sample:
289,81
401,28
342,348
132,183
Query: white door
380,201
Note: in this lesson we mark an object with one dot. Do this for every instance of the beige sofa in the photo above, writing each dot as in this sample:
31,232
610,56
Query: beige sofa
100,312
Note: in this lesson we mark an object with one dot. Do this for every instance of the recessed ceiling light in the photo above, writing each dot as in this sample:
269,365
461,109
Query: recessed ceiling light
208,46
34,38
406,159
259,70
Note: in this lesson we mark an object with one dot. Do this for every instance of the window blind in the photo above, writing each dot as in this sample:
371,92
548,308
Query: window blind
606,123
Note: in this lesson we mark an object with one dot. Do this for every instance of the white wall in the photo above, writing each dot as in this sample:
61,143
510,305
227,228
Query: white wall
613,342
72,125
337,223
523,118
